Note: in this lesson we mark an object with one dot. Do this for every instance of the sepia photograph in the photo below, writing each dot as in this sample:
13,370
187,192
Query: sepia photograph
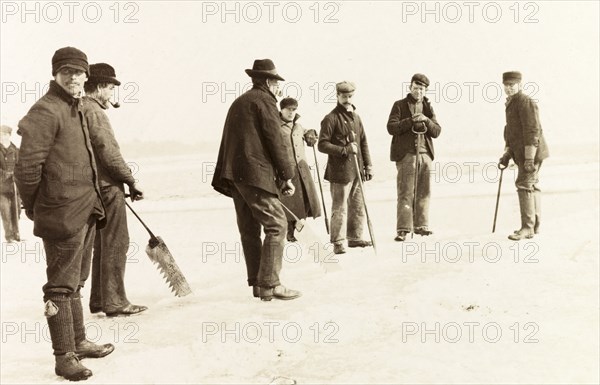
300,192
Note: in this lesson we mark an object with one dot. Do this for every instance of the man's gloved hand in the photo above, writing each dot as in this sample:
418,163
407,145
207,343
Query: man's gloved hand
504,159
288,188
310,138
135,193
368,173
529,164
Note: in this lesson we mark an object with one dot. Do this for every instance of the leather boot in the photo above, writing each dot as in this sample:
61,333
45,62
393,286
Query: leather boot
278,292
69,367
290,232
60,323
527,206
537,195
83,347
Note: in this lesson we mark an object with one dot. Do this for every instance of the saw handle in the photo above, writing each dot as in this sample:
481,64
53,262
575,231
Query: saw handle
153,240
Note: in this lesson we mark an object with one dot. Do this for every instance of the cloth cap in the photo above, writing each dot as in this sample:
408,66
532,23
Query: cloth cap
70,57
512,77
420,79
345,87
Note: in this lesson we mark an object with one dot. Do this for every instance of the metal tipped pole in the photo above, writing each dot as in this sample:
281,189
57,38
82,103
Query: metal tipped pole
321,189
501,167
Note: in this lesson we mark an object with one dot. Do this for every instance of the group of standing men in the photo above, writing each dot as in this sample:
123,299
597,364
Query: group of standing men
263,168
70,176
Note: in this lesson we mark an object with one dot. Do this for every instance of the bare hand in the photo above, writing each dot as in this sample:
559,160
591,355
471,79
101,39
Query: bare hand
135,193
288,188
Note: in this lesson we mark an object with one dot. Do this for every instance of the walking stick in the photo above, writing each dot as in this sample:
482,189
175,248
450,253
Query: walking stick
299,223
321,188
501,167
415,186
362,193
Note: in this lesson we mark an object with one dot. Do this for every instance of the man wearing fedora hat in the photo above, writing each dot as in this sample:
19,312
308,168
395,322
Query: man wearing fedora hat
410,117
56,177
10,206
524,143
342,137
254,166
112,241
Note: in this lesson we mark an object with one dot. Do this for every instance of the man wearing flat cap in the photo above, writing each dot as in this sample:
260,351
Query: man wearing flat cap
524,143
56,177
112,242
412,118
10,206
254,166
343,137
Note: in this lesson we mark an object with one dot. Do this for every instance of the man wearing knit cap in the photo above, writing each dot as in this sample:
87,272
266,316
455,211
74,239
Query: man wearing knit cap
112,241
254,166
342,138
524,143
10,206
56,177
413,118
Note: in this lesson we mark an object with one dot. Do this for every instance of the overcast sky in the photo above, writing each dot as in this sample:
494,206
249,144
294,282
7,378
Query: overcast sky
182,62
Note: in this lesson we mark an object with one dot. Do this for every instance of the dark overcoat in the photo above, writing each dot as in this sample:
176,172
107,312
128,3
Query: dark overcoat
253,150
56,172
523,128
112,168
336,133
400,126
8,158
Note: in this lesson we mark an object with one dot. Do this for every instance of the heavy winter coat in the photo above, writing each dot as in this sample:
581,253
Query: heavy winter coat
112,168
8,158
56,171
400,127
523,128
335,135
296,134
254,150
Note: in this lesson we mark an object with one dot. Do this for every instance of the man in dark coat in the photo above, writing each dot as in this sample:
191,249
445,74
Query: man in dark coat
56,177
10,206
342,138
410,117
112,241
253,167
525,144
305,201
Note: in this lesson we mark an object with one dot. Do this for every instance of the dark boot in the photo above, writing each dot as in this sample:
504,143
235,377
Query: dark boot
290,231
69,367
527,207
60,323
537,195
83,347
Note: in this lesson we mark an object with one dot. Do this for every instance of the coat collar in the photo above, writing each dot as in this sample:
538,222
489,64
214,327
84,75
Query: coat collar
57,90
93,99
293,122
343,111
411,99
510,99
264,88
